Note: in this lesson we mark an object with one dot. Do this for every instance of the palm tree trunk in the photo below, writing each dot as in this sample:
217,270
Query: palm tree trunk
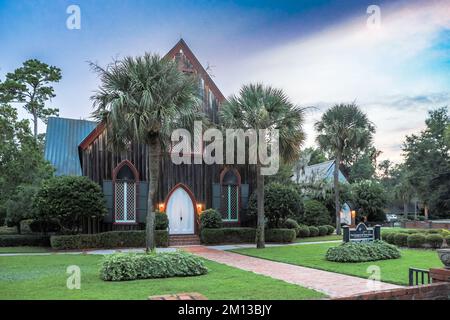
337,201
260,242
425,211
154,162
35,123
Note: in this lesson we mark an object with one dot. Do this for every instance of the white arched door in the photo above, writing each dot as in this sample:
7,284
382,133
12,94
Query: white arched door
180,211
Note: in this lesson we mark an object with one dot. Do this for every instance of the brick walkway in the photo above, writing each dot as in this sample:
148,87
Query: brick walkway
333,284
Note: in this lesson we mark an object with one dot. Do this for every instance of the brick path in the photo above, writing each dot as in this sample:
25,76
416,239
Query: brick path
333,284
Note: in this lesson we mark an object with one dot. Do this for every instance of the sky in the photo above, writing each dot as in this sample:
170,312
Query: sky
395,64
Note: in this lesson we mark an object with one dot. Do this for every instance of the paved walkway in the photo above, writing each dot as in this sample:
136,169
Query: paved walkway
332,284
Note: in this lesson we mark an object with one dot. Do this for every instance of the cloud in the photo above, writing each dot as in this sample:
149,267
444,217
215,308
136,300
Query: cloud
391,72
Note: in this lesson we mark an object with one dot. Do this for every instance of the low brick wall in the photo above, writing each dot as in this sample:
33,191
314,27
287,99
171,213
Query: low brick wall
435,291
426,225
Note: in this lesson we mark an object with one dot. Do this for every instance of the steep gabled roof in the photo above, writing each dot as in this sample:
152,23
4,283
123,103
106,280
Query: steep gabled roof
181,45
61,143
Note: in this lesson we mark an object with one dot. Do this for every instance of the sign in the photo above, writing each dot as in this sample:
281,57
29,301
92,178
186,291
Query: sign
361,233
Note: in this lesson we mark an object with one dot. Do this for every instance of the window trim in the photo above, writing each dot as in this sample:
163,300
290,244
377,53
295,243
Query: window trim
136,194
228,194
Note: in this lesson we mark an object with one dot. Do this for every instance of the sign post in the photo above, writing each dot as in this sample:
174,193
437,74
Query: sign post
361,233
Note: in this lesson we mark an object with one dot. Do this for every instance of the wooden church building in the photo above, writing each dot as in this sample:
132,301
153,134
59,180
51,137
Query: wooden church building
79,147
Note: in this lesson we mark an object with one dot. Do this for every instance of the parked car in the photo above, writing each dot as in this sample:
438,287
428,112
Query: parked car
391,217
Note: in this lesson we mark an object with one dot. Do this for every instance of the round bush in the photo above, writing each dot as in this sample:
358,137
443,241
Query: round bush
211,219
161,221
323,230
400,239
291,224
416,240
313,231
390,237
447,239
315,213
69,199
434,240
280,202
362,252
303,232
330,229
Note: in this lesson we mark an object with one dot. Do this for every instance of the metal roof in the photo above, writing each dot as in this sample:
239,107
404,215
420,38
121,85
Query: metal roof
319,171
61,143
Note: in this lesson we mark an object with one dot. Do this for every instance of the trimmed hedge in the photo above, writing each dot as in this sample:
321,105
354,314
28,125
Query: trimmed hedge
330,229
111,239
416,240
323,230
362,252
16,240
245,235
120,267
303,232
400,239
280,235
313,231
434,240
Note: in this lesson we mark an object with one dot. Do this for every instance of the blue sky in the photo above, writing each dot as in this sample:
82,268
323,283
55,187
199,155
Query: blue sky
320,52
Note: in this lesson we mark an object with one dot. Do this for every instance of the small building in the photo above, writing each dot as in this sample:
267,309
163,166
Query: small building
324,171
79,147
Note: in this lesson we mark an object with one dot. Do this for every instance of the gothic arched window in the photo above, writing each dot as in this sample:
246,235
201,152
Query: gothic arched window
125,188
230,183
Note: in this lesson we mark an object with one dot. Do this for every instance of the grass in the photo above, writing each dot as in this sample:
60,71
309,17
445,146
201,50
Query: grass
331,237
313,256
44,277
23,249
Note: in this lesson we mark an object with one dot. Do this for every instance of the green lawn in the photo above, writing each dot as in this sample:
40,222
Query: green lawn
331,237
313,255
44,277
23,249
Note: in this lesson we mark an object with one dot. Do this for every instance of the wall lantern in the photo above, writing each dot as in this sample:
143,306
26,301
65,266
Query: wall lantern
353,218
199,207
161,207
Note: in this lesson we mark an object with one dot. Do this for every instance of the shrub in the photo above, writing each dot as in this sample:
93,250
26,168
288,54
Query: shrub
280,202
389,237
161,221
323,230
303,231
244,235
16,240
434,240
313,231
315,213
400,239
210,219
111,239
291,224
416,240
120,267
330,229
69,199
280,235
362,252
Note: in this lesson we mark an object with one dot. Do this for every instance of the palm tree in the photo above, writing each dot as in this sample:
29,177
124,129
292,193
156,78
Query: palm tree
141,100
263,107
343,128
